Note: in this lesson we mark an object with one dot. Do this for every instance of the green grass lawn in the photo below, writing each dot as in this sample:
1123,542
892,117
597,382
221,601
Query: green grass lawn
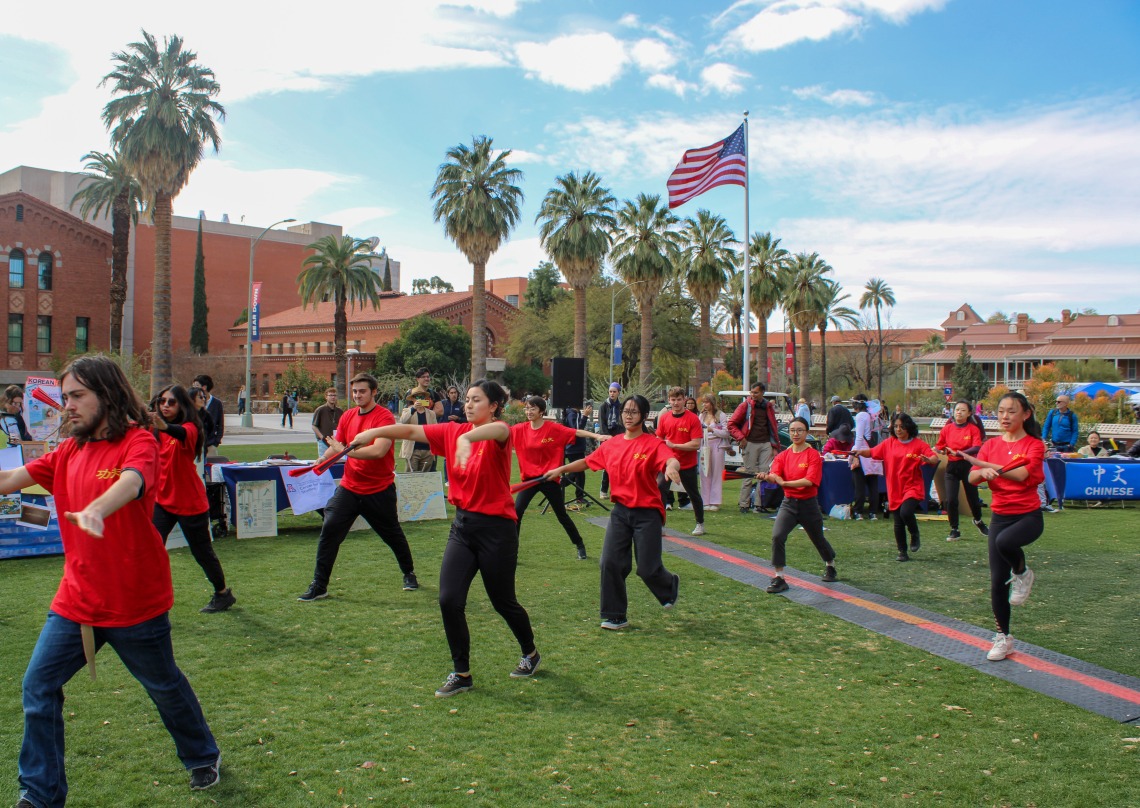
734,698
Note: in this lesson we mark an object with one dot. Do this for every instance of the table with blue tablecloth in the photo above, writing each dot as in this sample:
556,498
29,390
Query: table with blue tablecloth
837,487
22,541
233,473
1095,478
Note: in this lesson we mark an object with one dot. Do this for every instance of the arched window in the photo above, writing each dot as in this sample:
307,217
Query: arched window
16,269
45,266
19,213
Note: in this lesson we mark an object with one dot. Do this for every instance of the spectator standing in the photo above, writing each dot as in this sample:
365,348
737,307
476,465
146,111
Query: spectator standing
417,453
865,472
753,426
241,400
1062,427
325,419
217,415
838,415
715,440
803,410
12,418
609,423
286,409
423,390
116,587
453,408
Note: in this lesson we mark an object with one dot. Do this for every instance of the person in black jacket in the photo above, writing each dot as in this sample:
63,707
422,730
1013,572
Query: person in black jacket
610,423
839,415
217,415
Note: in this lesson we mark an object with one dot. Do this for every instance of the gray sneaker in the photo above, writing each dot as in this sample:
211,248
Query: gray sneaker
205,777
454,684
615,623
410,582
527,666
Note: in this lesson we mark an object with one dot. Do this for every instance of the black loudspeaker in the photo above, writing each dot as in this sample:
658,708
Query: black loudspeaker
569,382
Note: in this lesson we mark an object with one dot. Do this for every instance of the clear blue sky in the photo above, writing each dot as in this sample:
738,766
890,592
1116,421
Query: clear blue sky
962,150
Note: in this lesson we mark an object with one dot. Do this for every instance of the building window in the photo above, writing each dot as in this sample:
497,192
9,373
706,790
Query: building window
19,213
961,315
513,300
16,269
15,333
82,333
43,334
45,264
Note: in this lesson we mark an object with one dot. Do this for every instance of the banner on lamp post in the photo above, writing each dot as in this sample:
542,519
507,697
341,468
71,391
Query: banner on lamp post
789,359
617,344
255,315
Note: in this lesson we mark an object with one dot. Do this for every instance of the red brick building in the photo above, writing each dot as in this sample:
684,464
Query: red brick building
55,270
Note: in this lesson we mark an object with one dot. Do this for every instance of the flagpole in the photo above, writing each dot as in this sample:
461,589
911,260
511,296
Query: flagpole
747,268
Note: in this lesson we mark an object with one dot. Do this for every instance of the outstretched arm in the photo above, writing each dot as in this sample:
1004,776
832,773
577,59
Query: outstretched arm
15,480
577,465
496,430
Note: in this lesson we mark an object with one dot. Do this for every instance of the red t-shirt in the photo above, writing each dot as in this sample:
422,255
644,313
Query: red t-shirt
180,487
633,466
485,485
123,578
681,429
959,436
1010,497
366,476
902,465
805,465
539,450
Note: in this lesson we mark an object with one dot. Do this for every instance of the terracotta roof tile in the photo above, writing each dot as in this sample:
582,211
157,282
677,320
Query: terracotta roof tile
396,308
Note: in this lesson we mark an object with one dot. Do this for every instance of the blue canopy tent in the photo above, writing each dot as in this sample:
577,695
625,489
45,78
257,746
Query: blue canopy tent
1092,389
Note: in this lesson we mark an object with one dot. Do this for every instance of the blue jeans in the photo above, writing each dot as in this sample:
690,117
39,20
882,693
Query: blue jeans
146,652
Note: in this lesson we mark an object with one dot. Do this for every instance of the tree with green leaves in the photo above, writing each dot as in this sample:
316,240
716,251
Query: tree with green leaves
478,200
707,261
968,378
161,120
646,251
876,295
340,270
802,297
199,330
542,287
577,220
427,286
832,312
425,341
108,186
769,263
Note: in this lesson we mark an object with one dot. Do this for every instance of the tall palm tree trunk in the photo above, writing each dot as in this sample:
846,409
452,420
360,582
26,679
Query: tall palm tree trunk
645,310
161,373
879,331
580,322
805,367
120,247
795,359
706,362
479,321
340,343
822,365
762,351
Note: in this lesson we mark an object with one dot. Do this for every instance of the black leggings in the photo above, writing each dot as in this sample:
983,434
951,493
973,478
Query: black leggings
799,512
958,472
865,484
555,495
196,529
904,521
489,546
1008,534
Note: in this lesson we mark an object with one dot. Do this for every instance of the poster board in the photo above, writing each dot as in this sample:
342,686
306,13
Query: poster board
307,492
256,509
419,496
43,421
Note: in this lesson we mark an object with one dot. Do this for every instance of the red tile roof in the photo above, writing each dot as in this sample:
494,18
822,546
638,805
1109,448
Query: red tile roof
396,308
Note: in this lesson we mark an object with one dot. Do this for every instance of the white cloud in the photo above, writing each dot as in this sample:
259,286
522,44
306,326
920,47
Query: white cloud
836,98
353,220
629,21
524,157
577,62
723,78
652,56
670,83
258,196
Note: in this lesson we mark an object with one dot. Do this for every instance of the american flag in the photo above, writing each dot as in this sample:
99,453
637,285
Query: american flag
722,163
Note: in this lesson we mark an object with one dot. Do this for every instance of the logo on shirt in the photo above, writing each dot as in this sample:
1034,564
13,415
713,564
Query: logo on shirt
803,465
640,456
108,474
684,429
547,440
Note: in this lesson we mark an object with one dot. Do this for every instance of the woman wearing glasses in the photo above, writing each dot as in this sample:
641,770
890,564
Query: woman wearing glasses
633,462
798,470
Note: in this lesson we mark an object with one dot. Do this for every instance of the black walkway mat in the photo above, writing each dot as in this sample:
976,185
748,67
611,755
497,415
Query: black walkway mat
1088,686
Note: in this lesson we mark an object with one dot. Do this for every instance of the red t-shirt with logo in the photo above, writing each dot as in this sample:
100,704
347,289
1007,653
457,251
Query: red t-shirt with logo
681,429
485,485
180,487
959,436
539,450
1010,497
805,465
365,476
633,466
902,465
123,578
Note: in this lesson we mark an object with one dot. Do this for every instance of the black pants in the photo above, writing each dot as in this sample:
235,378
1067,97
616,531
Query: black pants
489,546
577,479
958,472
865,485
555,496
691,480
605,482
1008,534
799,512
196,529
632,531
288,415
905,522
378,510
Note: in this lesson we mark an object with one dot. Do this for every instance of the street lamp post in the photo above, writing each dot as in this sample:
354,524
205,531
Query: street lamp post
247,416
350,354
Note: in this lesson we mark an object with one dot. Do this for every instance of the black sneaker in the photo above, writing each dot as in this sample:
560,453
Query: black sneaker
410,582
915,544
454,684
902,557
527,666
669,604
314,592
778,585
615,623
219,602
954,536
746,510
981,526
829,576
204,777
582,552
24,804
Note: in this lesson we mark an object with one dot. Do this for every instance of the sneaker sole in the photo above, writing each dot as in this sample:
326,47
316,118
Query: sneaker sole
441,695
314,597
618,627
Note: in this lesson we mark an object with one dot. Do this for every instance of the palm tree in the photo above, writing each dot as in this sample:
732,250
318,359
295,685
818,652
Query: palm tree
339,269
768,266
933,343
162,119
646,249
109,186
831,313
802,299
577,220
708,259
477,199
877,294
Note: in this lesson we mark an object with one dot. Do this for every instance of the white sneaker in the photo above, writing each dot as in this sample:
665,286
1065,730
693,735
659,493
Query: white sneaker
1003,647
1020,587
699,530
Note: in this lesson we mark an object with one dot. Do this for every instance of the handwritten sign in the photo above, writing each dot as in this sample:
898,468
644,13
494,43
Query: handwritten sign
309,491
256,509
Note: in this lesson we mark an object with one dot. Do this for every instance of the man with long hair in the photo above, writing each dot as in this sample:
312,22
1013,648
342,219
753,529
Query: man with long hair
116,587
